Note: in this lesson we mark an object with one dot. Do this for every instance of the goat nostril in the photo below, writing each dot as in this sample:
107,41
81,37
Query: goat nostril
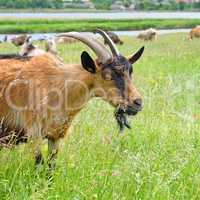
138,102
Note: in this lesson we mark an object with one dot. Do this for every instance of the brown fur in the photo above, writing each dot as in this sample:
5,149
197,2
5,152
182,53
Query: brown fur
19,40
115,38
46,72
194,33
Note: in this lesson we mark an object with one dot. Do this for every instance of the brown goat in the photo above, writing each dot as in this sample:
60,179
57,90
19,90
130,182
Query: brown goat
194,33
115,38
41,96
19,40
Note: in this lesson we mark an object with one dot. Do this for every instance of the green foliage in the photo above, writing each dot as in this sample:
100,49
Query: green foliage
102,4
182,5
197,5
31,3
127,3
165,5
145,5
105,4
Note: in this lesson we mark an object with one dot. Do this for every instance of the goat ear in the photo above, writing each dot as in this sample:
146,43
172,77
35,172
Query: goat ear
88,63
28,38
136,56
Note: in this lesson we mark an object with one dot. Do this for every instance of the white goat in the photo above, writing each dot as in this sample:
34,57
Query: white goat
148,35
29,50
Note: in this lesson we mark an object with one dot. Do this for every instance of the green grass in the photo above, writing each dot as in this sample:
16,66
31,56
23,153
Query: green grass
157,160
53,25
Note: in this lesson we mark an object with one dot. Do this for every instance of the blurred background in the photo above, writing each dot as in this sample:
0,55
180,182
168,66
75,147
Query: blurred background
193,5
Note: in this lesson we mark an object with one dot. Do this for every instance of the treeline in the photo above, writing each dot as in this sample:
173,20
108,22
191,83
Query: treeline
165,5
150,4
104,4
31,3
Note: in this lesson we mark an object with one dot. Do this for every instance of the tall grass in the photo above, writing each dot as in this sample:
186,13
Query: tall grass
53,25
157,160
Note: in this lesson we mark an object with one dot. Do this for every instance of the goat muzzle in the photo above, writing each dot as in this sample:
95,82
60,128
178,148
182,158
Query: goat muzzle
134,108
130,110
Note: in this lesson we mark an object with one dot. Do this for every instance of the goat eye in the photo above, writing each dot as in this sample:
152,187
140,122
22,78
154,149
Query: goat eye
107,75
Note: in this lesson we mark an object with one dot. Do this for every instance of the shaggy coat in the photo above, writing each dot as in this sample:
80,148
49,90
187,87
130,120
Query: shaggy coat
148,35
40,95
42,73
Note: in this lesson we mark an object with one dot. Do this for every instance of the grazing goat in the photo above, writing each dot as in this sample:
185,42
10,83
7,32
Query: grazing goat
194,33
50,46
115,38
19,40
5,39
29,50
148,35
41,95
65,40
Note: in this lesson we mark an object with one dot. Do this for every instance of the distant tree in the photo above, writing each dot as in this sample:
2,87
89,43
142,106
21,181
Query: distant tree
145,4
181,5
156,4
77,1
127,3
197,4
103,4
31,3
3,3
57,3
173,4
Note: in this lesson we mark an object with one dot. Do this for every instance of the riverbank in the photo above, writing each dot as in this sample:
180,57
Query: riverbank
14,26
98,14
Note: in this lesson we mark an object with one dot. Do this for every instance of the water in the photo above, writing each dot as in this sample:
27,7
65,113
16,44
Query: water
106,15
38,36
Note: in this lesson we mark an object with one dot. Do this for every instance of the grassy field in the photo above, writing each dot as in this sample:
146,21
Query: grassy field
53,25
157,160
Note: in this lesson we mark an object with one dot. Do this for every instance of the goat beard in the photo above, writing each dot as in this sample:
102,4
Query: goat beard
121,118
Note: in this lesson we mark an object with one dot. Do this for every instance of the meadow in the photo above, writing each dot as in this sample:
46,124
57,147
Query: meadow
9,25
158,159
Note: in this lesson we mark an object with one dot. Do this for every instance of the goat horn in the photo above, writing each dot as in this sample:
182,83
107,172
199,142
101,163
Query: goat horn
109,41
101,51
